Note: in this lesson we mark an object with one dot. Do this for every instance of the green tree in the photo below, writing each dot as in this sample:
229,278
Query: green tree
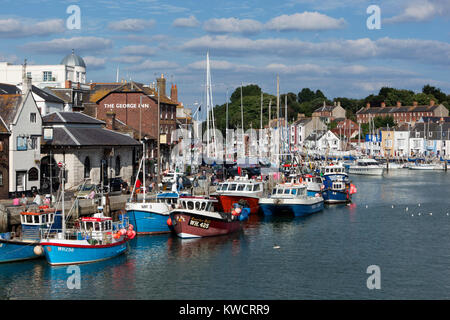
435,92
306,95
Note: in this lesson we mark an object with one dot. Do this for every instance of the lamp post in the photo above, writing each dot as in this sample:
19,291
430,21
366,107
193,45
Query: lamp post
158,177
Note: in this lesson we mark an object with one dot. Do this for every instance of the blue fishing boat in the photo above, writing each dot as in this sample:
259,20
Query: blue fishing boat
26,245
337,187
90,239
290,198
150,217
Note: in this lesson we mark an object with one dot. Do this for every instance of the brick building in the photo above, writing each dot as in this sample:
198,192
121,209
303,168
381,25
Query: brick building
136,106
402,114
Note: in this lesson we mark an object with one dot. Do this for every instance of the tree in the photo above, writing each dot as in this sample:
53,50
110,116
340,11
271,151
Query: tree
249,90
435,92
306,95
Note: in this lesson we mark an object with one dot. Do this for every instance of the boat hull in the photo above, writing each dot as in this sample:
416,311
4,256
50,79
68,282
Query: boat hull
366,171
148,221
62,253
226,202
330,196
15,250
297,209
189,225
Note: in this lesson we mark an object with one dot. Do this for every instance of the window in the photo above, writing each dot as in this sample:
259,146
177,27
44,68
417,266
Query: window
256,187
232,187
294,191
47,76
118,166
241,187
29,75
287,191
87,167
33,117
33,143
224,186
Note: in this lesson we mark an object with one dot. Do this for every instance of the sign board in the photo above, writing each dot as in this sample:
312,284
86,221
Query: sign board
48,133
163,138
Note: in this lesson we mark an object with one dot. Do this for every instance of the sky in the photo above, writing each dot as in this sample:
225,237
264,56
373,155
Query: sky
324,44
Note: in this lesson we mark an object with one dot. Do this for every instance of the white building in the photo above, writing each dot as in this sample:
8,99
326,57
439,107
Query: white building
323,141
401,143
24,121
71,68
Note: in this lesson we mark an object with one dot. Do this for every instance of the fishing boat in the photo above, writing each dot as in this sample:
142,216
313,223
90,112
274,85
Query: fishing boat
195,217
90,239
150,217
366,167
314,184
336,185
241,188
291,198
26,245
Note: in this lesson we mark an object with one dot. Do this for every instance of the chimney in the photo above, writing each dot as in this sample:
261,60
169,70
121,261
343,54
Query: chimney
399,104
338,103
415,104
368,105
68,84
431,102
111,120
92,85
383,104
161,83
26,82
174,93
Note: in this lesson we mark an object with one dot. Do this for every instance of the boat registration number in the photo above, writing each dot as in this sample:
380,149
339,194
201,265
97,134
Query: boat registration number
199,223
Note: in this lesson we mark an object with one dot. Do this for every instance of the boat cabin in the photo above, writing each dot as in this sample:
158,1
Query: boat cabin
34,221
288,191
312,179
95,227
367,162
333,170
236,186
197,203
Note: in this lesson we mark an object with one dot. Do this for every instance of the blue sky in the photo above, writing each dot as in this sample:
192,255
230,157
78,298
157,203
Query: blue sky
317,44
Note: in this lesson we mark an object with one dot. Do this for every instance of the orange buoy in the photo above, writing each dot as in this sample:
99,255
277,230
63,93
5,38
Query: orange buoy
169,222
122,231
130,227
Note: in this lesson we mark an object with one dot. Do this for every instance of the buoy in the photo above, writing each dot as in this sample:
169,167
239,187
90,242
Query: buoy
276,247
130,227
431,213
367,206
419,213
116,235
38,250
169,222
129,233
412,215
133,234
406,209
238,210
419,204
122,231
392,206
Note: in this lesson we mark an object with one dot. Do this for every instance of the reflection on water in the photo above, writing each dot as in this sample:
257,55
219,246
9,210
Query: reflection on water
321,256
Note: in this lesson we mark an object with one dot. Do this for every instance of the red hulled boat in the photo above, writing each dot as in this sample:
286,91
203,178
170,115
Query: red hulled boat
196,217
239,189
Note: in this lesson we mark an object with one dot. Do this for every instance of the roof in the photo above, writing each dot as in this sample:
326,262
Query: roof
91,136
9,105
135,87
47,96
381,110
8,89
325,108
316,135
70,117
434,119
73,60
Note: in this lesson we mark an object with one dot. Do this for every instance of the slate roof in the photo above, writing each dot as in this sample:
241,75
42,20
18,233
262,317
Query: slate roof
47,96
316,135
380,110
70,117
8,89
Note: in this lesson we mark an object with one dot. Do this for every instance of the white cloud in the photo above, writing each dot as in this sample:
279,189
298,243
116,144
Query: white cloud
305,21
131,25
364,48
11,58
190,22
140,50
63,45
94,63
14,28
220,65
229,25
423,10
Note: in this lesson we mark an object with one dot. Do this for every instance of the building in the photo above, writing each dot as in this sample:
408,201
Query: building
323,141
23,119
89,150
73,95
4,159
302,128
330,113
136,106
430,139
402,114
72,67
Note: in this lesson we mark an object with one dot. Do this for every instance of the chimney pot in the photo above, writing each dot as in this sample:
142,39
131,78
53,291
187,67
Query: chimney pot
431,102
368,105
383,104
415,103
399,104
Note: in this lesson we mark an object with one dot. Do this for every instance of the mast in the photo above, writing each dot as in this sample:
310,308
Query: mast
207,103
278,114
242,121
261,126
143,173
226,130
286,140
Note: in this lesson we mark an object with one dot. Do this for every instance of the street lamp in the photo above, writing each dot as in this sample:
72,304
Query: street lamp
158,177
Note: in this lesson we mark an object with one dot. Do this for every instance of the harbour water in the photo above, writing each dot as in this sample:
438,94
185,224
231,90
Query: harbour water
399,222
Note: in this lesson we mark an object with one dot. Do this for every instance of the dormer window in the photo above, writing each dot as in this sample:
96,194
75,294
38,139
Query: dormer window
33,117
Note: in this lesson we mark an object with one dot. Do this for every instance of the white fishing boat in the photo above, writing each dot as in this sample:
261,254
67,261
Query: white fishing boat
366,167
426,166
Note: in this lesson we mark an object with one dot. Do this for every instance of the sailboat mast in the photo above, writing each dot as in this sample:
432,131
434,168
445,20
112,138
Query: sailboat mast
278,116
207,103
226,130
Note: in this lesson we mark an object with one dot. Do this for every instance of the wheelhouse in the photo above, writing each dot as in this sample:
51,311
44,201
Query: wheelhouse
239,187
198,204
289,191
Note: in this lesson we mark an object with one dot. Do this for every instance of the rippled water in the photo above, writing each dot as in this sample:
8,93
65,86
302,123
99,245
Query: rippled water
323,256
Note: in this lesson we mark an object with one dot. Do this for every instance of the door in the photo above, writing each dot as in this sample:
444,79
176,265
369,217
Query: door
21,180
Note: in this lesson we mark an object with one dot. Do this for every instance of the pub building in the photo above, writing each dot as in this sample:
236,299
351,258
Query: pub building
134,105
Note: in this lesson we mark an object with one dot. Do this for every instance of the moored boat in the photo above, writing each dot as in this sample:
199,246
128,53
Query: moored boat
336,185
230,192
366,167
196,217
150,217
291,198
14,247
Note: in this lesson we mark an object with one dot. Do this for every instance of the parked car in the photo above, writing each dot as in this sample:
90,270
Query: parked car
187,183
117,185
84,190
